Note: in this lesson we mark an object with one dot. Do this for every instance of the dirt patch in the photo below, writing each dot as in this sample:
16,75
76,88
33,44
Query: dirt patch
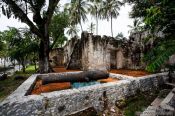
134,73
39,88
110,79
62,69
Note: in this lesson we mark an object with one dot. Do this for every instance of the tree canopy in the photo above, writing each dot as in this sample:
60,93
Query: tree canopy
41,13
158,16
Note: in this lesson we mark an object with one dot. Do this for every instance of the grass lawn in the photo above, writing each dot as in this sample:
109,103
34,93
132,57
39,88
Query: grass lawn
10,84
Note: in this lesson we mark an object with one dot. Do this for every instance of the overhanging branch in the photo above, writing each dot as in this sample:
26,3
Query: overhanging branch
19,13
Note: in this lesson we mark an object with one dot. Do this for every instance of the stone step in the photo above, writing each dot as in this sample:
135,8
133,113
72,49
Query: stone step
157,102
171,84
150,111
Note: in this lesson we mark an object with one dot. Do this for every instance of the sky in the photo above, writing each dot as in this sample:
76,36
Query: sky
119,25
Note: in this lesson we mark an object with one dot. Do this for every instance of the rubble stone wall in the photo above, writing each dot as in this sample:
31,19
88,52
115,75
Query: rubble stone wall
57,57
103,53
95,53
61,103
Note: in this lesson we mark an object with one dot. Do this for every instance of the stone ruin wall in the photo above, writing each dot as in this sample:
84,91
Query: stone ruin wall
95,54
138,38
72,54
56,57
103,53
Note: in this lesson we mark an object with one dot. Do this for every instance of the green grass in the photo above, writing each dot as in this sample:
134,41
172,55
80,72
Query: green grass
139,103
31,68
10,84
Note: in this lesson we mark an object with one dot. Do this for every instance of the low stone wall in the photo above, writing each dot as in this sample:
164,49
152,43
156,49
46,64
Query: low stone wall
60,103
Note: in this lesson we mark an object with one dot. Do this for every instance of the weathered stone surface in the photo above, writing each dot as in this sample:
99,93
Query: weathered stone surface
103,53
64,102
56,57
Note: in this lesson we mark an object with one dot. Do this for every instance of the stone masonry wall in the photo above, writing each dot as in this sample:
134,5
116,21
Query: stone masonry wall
61,103
103,53
57,57
95,54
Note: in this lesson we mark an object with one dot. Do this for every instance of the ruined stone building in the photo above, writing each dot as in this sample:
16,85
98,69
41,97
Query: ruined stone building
96,52
104,53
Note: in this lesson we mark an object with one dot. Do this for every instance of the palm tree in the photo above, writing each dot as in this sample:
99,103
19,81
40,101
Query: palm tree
110,9
72,30
91,27
119,36
136,26
95,11
77,10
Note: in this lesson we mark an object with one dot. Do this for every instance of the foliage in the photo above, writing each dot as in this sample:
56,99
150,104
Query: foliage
119,36
72,30
139,103
20,45
59,23
41,14
136,26
77,11
158,16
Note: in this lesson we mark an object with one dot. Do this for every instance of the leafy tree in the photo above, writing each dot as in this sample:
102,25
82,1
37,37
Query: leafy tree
20,45
59,23
3,48
42,14
158,16
110,10
91,27
1,41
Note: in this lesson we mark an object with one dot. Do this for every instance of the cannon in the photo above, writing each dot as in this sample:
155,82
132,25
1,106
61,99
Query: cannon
84,76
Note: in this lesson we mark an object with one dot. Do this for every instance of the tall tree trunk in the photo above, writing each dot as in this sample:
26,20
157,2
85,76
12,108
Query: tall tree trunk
96,24
81,27
44,55
4,62
23,66
111,27
44,51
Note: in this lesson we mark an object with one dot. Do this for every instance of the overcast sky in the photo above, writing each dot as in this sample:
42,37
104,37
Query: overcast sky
119,25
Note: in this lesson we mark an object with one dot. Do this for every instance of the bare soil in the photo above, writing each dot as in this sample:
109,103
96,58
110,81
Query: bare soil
134,73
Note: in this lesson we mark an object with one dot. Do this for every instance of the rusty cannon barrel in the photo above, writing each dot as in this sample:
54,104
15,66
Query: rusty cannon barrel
84,76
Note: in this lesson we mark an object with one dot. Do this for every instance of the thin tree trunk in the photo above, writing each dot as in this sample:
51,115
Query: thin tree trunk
111,27
23,67
4,62
35,65
96,24
81,27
